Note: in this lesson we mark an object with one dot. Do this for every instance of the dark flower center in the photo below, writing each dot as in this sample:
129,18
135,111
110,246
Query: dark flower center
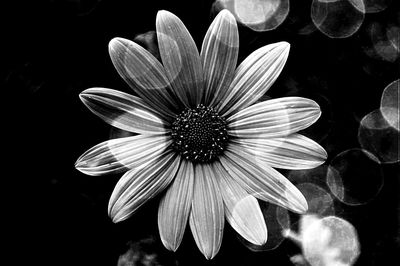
199,134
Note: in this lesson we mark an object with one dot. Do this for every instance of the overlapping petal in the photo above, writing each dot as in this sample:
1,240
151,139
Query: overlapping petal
137,186
293,152
263,182
274,118
219,54
175,206
241,209
118,155
123,111
254,76
144,74
180,58
207,215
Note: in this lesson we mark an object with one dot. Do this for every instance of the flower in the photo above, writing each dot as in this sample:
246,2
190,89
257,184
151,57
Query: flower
202,135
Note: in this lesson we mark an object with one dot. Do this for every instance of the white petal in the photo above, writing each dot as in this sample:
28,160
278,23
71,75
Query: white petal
180,58
293,152
219,54
175,206
241,209
118,155
254,76
274,118
263,182
144,74
207,215
137,186
123,111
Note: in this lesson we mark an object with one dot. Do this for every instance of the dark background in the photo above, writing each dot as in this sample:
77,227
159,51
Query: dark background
53,50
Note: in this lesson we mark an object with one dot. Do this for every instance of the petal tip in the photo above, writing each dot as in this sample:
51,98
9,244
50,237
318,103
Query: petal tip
87,97
163,14
261,240
117,45
209,252
302,206
226,13
209,255
296,201
323,154
114,43
115,219
117,211
172,246
285,48
314,110
113,214
79,164
226,16
286,45
316,113
83,96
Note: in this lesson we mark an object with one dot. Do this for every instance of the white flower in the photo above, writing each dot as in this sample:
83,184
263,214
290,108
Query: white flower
201,134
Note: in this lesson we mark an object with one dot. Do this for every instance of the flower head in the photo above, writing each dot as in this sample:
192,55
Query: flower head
202,134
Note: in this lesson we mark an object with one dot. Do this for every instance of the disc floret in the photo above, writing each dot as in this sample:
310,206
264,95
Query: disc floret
199,134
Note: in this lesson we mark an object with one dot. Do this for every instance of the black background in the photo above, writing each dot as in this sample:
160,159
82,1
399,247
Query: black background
53,50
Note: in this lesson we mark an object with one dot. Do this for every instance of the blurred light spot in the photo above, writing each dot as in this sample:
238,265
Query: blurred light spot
388,47
316,176
390,103
379,137
258,15
337,18
319,200
277,220
384,42
312,184
335,183
145,252
354,177
283,218
358,4
307,29
298,260
252,12
330,241
374,6
393,35
299,20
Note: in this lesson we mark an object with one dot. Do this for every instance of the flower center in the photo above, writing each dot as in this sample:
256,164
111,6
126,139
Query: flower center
199,134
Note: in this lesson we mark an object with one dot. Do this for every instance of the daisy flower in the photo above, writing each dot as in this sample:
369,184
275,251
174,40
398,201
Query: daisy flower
202,134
